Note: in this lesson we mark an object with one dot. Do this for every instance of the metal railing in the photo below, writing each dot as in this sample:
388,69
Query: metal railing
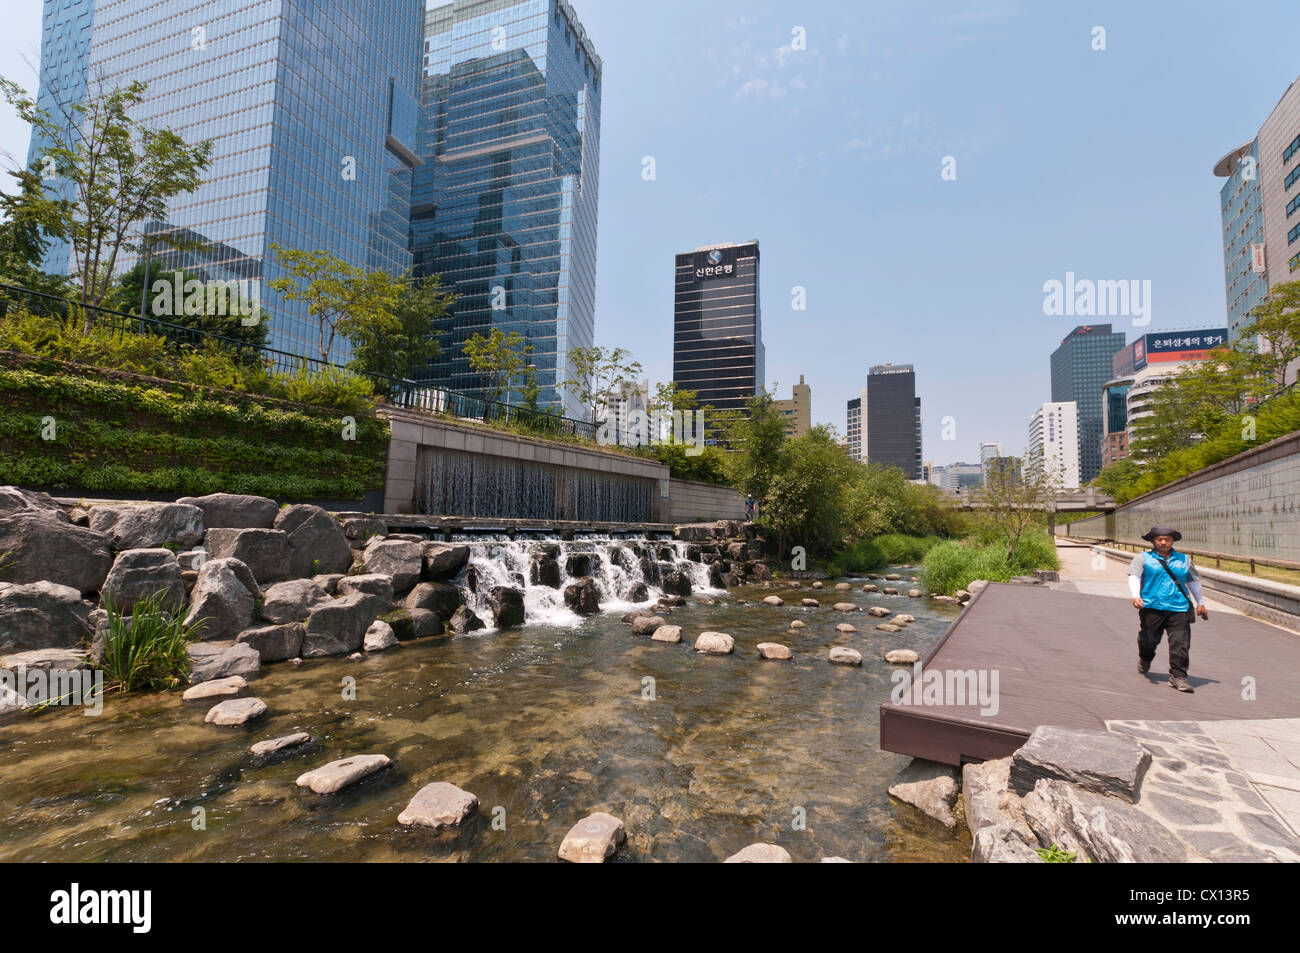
404,393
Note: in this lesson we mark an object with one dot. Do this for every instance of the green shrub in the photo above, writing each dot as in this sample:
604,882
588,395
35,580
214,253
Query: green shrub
952,565
899,548
148,650
862,556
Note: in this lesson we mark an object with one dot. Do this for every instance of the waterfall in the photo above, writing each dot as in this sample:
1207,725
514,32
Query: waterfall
614,564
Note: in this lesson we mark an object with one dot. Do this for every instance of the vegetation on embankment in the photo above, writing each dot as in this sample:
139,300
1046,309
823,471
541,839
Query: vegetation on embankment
891,549
953,565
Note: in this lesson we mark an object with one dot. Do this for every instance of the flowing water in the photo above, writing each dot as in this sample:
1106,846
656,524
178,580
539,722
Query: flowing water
699,755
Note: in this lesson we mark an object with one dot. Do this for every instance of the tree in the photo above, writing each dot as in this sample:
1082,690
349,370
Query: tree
342,298
396,343
31,219
755,437
596,373
118,175
1272,341
221,318
1013,496
499,358
804,499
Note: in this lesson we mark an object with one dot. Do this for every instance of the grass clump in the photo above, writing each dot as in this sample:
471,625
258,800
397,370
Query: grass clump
148,649
953,565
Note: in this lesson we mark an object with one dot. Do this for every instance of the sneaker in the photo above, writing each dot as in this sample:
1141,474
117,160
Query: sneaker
1143,666
1180,684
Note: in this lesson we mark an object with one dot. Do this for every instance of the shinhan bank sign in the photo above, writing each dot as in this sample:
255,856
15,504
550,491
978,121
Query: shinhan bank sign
712,265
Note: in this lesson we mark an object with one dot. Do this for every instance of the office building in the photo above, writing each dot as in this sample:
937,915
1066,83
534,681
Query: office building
853,426
717,328
1114,438
989,450
311,109
959,477
891,419
1260,210
797,411
938,476
1081,366
1054,442
504,206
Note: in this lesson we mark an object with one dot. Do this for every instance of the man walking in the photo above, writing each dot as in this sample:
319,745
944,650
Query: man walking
1163,583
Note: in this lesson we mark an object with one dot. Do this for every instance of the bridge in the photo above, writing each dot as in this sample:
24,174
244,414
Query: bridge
1083,501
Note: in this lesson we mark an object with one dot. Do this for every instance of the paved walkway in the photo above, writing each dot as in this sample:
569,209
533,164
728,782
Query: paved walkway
1082,570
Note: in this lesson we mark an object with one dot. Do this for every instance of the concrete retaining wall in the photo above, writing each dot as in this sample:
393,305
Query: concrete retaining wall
691,502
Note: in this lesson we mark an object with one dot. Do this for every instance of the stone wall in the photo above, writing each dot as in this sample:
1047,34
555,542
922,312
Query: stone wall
691,502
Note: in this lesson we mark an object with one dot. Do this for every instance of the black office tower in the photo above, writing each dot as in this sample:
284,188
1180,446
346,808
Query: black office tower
891,419
717,332
1081,367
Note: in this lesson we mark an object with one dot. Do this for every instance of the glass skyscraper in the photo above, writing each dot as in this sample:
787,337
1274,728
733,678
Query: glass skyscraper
312,109
504,206
1081,367
891,423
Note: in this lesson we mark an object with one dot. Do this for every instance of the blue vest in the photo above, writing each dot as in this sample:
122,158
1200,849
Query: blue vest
1158,590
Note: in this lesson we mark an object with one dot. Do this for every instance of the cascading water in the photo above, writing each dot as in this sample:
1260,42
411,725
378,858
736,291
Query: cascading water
616,566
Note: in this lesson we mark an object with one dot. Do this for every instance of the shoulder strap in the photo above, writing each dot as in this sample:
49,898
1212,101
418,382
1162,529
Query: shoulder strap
1165,565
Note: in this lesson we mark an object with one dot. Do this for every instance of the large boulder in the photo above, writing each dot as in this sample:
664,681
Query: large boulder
41,545
360,530
464,620
675,582
139,573
316,541
275,643
210,660
370,584
507,606
646,624
1098,828
443,561
930,787
545,571
339,626
148,525
379,637
14,500
292,601
264,551
39,615
715,643
582,596
988,798
1002,844
402,560
234,510
437,597
1093,760
224,598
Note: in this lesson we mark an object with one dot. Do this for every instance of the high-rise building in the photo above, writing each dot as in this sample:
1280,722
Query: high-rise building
1114,438
1082,364
311,109
1054,441
937,476
504,206
962,476
853,428
1260,210
717,328
989,450
797,411
891,419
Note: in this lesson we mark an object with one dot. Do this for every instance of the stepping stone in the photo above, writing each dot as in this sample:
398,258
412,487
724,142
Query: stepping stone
760,854
646,624
890,591
845,627
715,643
842,587
844,607
845,656
902,657
903,618
438,805
796,624
914,593
667,633
337,775
870,587
891,577
878,611
773,601
889,627
773,650
818,585
810,603
235,711
215,688
593,840
284,742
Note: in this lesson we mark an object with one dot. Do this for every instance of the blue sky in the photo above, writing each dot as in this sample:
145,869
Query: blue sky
1067,159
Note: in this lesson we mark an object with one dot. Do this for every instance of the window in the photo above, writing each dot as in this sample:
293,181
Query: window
1291,150
1291,235
1292,206
1294,263
1292,176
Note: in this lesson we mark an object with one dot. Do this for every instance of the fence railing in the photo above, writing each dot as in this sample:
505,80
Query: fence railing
404,393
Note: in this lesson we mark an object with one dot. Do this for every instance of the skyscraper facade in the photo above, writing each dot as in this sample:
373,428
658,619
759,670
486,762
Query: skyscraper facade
797,411
504,206
1054,442
717,326
892,419
1081,367
853,427
311,109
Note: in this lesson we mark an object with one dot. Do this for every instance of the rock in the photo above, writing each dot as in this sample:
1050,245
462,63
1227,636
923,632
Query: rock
582,596
989,800
379,637
844,607
357,657
639,592
234,511
224,598
423,623
810,603
914,593
667,633
593,840
438,805
40,546
646,624
818,585
40,615
845,627
975,585
148,525
339,626
263,749
889,627
292,601
1002,844
773,650
892,577
464,620
316,541
215,688
507,607
842,587
264,551
578,564
1103,829
14,500
844,656
672,601
191,560
889,591
797,624
403,561
835,860
676,583
437,597
545,571
878,611
374,584
1093,760
333,777
939,598
329,581
901,656
360,530
444,561
46,660
930,787
773,601
760,854
706,601
235,711
213,660
962,595
714,643
630,617
872,575
275,643
903,619
138,573
870,587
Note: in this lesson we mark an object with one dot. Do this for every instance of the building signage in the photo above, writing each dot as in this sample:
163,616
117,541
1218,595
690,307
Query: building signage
712,265
1184,345
1257,258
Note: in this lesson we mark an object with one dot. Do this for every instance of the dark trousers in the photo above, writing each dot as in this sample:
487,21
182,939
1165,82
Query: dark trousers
1152,624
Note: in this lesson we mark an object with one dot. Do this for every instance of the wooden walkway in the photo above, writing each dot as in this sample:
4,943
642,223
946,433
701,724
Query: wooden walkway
1069,658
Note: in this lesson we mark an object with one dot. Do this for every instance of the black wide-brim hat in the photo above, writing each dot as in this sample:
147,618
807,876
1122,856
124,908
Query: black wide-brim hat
1162,531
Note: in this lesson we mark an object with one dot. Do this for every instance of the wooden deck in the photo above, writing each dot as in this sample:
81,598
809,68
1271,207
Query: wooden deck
1068,658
